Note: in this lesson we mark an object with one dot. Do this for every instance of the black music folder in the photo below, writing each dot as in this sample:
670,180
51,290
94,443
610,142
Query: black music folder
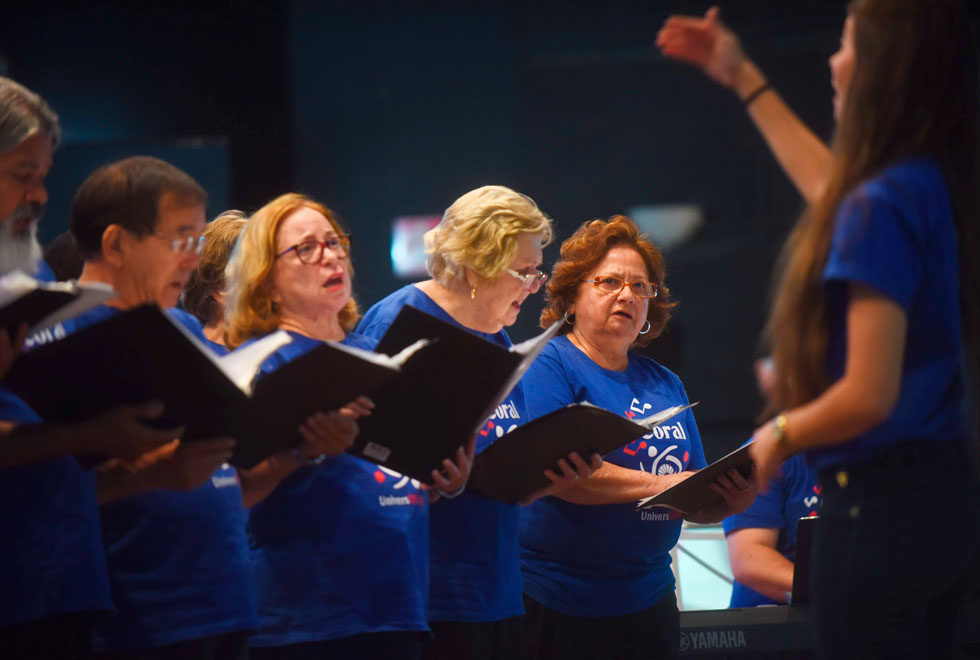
447,390
512,468
693,494
142,354
40,305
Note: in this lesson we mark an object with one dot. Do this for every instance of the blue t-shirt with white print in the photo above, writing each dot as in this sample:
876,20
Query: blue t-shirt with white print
178,561
793,494
475,572
339,548
52,556
896,234
606,560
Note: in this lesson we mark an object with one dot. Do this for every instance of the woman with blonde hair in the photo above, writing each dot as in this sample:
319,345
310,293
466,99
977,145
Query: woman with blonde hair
483,258
340,546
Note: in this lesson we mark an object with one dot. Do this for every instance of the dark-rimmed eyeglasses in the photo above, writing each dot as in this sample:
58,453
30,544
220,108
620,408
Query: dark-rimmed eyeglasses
532,281
613,285
311,252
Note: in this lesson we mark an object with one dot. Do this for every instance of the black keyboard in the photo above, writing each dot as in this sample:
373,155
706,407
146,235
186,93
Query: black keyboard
746,630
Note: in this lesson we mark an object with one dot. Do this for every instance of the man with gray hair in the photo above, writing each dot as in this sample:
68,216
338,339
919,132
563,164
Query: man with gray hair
29,134
53,578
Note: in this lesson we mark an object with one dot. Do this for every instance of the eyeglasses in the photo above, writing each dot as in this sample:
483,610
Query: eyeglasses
184,244
532,281
610,284
311,252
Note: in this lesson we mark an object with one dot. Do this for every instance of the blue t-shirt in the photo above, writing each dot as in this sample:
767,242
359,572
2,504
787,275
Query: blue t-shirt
793,494
475,571
896,233
51,554
44,272
178,561
194,324
339,548
606,560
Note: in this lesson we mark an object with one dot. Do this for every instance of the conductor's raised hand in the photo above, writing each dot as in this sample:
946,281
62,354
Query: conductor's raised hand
704,42
452,478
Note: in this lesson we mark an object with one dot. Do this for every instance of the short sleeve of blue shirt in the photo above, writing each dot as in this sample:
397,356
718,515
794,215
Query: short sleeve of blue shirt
875,243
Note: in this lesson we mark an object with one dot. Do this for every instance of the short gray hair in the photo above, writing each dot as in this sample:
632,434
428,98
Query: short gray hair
22,114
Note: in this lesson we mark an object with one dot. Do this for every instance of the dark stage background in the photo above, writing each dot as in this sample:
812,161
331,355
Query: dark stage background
387,109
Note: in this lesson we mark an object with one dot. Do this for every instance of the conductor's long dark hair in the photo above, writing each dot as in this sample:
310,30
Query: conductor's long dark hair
914,92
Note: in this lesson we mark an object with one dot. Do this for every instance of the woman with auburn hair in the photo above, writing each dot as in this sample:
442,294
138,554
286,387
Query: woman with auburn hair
202,295
483,259
597,578
875,321
340,546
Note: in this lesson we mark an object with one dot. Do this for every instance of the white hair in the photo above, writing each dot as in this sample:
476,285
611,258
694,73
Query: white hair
21,250
23,114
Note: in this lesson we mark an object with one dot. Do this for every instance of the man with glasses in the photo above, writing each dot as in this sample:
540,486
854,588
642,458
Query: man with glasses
173,520
138,224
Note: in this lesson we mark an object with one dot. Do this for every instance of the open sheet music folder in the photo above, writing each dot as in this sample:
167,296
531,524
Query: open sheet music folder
512,468
40,305
693,494
434,391
445,394
142,354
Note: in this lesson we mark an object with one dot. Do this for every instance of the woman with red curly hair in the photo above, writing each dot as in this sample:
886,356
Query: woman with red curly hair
597,578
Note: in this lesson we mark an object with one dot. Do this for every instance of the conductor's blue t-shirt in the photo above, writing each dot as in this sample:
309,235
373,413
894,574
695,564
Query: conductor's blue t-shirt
475,572
340,548
606,560
793,494
178,561
896,234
